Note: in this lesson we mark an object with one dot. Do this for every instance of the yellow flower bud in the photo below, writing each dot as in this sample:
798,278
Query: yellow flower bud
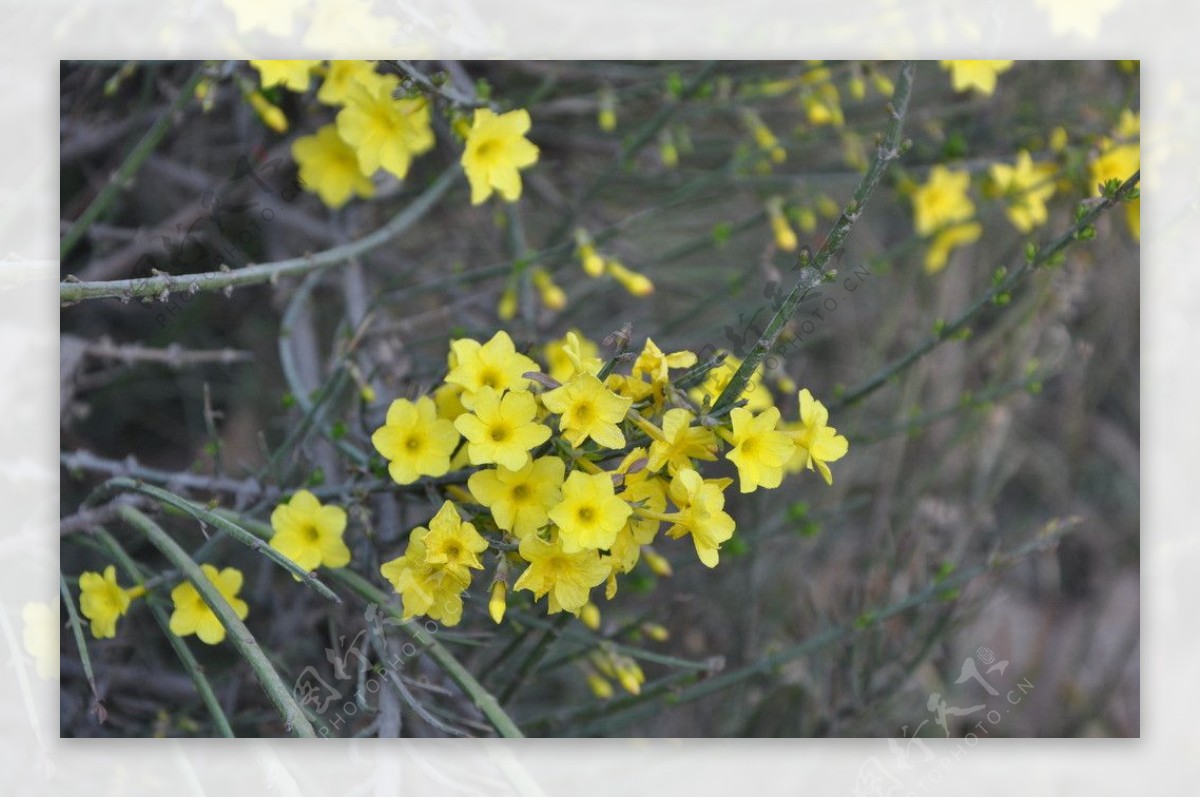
656,562
599,685
631,281
883,84
655,631
553,297
498,602
858,87
785,237
271,115
508,304
807,219
368,394
630,675
590,615
608,110
827,207
1058,139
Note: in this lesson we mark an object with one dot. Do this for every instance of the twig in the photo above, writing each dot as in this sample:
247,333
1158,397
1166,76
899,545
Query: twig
222,523
162,285
174,355
129,167
1013,278
280,695
88,519
888,151
81,644
186,658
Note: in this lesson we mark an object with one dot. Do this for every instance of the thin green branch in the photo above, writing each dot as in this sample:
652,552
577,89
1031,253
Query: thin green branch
186,658
224,524
279,693
129,167
1046,538
1004,287
80,640
162,285
814,274
482,699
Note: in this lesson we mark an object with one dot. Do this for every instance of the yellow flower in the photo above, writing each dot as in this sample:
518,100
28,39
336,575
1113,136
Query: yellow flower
415,441
942,200
681,442
102,601
567,577
590,515
448,398
293,74
759,450
193,616
552,295
1129,125
329,167
520,501
959,235
701,504
384,131
588,410
451,543
501,428
39,637
757,395
496,365
309,533
655,363
1115,162
341,76
816,442
496,149
593,263
570,355
1025,187
978,75
426,588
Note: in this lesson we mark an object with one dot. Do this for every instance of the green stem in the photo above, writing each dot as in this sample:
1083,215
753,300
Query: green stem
279,693
482,699
80,640
225,525
132,163
161,285
1005,286
186,658
889,150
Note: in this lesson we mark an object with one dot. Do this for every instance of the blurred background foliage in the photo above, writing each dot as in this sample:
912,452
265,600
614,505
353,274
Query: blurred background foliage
1030,419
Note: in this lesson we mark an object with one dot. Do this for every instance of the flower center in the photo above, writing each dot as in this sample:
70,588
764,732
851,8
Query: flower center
413,443
584,412
586,514
489,378
500,434
310,533
520,492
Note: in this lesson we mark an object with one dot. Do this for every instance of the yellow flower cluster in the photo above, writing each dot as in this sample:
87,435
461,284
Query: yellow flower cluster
943,211
380,126
573,472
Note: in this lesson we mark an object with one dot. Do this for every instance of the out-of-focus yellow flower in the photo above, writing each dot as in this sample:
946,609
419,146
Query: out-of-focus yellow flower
1119,162
977,75
1058,139
763,136
592,261
385,132
496,150
341,75
552,295
193,616
39,637
329,167
947,240
295,75
415,441
1025,187
590,615
310,533
607,115
941,200
757,395
572,354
